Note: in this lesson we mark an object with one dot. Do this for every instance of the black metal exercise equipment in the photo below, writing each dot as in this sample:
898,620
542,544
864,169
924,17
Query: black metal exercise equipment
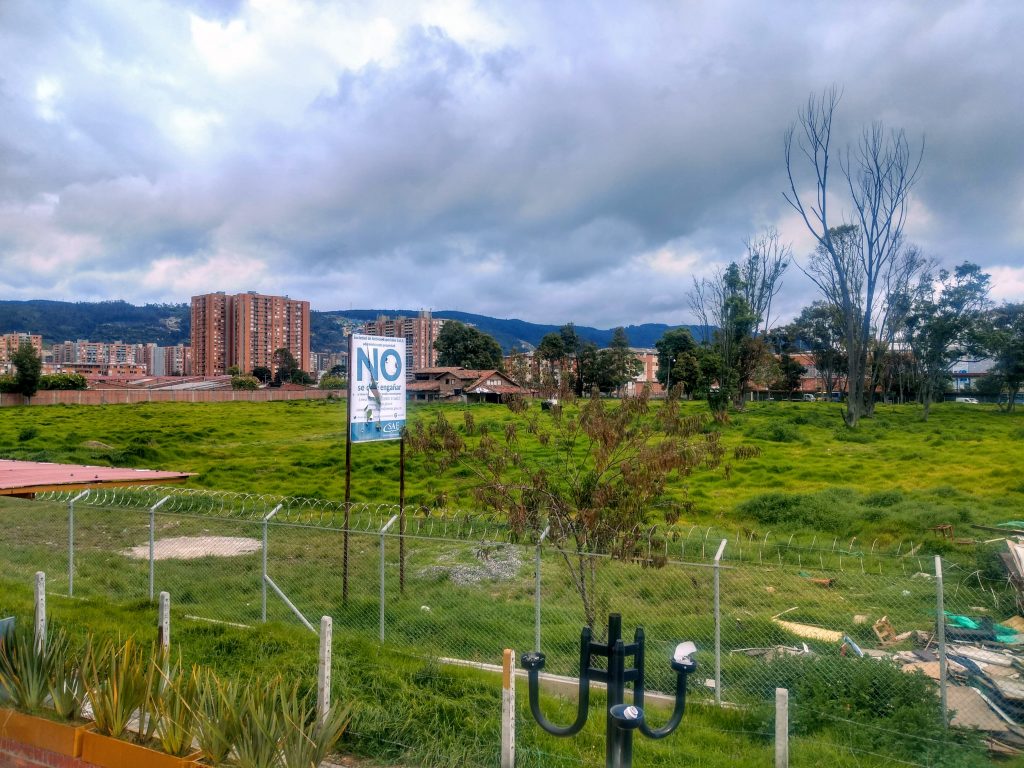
622,719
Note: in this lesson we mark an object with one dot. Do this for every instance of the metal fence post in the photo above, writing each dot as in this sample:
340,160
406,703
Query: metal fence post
323,679
940,634
263,581
718,623
71,542
536,599
40,624
383,533
152,541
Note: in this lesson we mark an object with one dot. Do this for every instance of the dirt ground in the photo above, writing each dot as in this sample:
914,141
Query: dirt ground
191,547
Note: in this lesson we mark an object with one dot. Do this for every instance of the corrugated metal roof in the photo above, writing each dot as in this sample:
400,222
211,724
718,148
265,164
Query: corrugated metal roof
28,477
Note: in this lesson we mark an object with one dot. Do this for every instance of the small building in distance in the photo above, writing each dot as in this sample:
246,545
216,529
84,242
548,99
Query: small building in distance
449,383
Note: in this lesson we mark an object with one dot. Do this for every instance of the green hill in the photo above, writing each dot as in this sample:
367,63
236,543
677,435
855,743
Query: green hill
169,324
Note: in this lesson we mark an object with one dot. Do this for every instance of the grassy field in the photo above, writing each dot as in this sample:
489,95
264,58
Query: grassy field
892,479
413,710
890,482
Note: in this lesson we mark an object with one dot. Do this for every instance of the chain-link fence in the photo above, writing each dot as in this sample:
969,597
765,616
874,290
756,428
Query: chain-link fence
829,622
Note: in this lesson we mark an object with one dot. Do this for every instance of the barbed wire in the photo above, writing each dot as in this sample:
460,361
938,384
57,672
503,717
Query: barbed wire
679,543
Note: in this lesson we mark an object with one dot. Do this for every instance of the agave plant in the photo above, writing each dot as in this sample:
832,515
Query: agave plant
24,669
260,727
217,713
65,679
307,740
172,709
116,681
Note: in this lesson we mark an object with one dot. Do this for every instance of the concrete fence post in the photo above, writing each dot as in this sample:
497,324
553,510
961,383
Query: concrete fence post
718,623
508,709
71,542
323,680
781,728
40,615
940,636
164,629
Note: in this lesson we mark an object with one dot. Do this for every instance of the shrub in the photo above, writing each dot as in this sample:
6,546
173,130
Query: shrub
777,432
63,381
245,383
888,498
833,510
874,703
333,382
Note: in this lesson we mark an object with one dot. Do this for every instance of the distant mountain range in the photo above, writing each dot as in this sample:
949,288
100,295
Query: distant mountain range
169,324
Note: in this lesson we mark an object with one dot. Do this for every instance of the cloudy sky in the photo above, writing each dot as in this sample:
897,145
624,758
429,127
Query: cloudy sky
550,161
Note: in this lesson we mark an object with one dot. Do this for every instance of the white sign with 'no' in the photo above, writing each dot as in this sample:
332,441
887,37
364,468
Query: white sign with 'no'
376,388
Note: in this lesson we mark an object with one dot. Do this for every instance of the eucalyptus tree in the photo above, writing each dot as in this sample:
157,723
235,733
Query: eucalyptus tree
1003,340
941,324
861,264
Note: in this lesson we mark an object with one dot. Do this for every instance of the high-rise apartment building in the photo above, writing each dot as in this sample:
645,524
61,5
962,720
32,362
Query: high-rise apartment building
245,329
9,343
420,333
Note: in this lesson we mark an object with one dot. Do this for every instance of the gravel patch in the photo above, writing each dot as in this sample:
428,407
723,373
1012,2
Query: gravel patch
499,562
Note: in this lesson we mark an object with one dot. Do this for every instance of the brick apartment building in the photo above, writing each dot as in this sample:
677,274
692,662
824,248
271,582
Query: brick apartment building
420,333
245,329
9,343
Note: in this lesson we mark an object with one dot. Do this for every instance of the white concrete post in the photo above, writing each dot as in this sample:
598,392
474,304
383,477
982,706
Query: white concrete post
165,624
508,709
718,624
40,625
71,542
323,680
781,728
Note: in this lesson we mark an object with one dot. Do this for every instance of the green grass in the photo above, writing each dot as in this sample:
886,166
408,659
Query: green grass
411,709
884,485
891,480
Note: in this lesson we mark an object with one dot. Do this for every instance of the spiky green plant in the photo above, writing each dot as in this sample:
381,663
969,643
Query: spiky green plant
115,681
174,709
217,714
24,669
260,726
65,679
307,740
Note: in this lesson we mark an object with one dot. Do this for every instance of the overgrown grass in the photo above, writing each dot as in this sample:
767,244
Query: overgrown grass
903,476
412,709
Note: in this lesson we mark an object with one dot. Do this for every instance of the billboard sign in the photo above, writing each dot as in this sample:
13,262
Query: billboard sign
376,388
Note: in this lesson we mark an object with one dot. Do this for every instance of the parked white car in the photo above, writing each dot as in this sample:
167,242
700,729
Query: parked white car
971,400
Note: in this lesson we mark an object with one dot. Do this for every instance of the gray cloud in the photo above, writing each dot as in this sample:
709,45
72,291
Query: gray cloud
546,161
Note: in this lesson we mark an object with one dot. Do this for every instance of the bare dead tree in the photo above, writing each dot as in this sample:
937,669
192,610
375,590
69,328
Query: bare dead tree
861,263
762,270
